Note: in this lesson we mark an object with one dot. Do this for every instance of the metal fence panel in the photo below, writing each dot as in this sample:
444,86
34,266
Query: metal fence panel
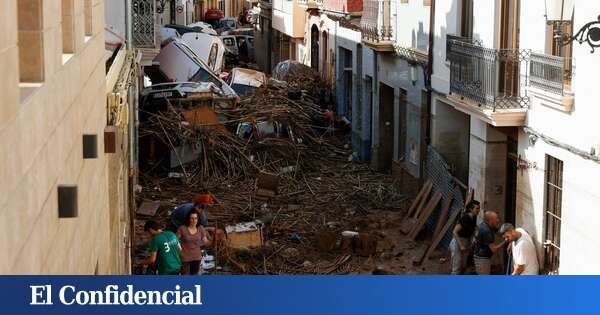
438,171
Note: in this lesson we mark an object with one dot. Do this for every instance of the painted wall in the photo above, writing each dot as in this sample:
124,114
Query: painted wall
412,24
41,130
450,136
580,245
288,18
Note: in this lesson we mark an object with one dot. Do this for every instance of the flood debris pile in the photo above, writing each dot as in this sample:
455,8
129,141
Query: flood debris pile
264,132
276,162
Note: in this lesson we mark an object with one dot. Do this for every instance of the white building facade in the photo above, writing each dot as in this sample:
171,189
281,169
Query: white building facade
505,78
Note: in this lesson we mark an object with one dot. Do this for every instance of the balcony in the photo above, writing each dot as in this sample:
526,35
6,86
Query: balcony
550,80
377,25
488,82
345,7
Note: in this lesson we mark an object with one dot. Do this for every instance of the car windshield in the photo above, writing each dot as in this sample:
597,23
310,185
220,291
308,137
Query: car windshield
243,90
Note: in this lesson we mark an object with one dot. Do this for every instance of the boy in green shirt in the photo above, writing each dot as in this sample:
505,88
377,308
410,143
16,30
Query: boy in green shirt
164,249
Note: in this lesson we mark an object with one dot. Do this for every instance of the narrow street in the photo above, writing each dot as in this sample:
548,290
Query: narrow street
271,137
320,193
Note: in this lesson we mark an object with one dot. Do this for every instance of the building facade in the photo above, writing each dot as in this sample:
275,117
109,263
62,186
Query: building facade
504,78
395,36
60,191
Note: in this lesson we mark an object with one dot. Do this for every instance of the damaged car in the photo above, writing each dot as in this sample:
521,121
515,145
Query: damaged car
177,62
245,82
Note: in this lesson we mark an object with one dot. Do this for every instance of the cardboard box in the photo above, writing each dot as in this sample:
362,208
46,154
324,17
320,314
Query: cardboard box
244,236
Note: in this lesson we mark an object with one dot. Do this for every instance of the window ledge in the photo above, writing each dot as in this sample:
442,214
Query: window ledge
66,58
28,89
563,103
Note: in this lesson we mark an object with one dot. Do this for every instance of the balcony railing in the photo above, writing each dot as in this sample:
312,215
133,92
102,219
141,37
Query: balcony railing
490,77
144,28
377,24
550,73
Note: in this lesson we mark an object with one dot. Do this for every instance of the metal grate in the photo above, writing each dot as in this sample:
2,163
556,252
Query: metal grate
549,73
143,23
438,171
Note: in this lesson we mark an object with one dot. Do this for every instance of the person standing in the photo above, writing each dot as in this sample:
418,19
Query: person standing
192,237
485,247
164,249
463,234
525,260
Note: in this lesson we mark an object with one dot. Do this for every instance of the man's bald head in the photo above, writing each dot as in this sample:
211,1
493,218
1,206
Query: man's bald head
491,218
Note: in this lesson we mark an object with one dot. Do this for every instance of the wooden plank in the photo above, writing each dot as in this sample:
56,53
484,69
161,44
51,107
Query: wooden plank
148,208
433,202
417,200
422,202
417,258
443,215
450,223
407,225
443,231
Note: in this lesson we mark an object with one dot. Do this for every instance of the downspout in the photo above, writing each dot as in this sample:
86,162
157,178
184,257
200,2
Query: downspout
426,110
131,130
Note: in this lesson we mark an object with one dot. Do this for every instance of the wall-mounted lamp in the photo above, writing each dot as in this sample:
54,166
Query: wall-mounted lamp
561,11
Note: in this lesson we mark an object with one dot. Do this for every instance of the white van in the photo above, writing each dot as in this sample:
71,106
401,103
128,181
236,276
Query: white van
209,48
177,62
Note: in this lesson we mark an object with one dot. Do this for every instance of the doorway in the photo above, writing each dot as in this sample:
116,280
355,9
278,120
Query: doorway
400,124
509,39
386,127
314,47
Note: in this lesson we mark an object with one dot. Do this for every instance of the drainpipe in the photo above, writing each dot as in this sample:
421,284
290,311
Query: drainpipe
426,110
375,100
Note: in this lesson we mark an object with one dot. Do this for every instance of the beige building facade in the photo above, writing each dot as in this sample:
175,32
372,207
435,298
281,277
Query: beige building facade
58,209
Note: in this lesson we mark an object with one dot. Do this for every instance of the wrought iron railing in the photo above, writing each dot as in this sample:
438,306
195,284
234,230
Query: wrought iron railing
550,73
377,21
143,27
490,77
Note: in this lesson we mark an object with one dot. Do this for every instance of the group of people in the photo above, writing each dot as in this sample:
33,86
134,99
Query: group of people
480,240
178,250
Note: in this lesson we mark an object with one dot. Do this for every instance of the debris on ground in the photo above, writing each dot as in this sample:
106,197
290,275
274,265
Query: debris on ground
315,212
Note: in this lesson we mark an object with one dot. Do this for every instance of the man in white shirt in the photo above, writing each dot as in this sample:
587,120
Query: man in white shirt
525,261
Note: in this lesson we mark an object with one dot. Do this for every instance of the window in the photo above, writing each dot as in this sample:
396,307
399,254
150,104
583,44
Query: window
555,30
466,20
31,41
552,213
87,12
68,43
212,56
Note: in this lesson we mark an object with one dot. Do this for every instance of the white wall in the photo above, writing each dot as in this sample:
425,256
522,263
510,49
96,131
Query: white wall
114,16
412,25
446,23
580,244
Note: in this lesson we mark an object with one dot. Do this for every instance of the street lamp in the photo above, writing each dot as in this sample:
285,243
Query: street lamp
561,12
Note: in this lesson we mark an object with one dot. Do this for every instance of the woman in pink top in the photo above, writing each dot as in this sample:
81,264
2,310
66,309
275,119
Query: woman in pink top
191,236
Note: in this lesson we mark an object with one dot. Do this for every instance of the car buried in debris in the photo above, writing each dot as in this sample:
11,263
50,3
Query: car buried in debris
245,81
177,62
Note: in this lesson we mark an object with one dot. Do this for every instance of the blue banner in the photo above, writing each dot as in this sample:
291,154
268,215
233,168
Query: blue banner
245,295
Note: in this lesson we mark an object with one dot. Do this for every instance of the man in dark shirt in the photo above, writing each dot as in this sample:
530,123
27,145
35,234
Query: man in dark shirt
463,237
484,243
